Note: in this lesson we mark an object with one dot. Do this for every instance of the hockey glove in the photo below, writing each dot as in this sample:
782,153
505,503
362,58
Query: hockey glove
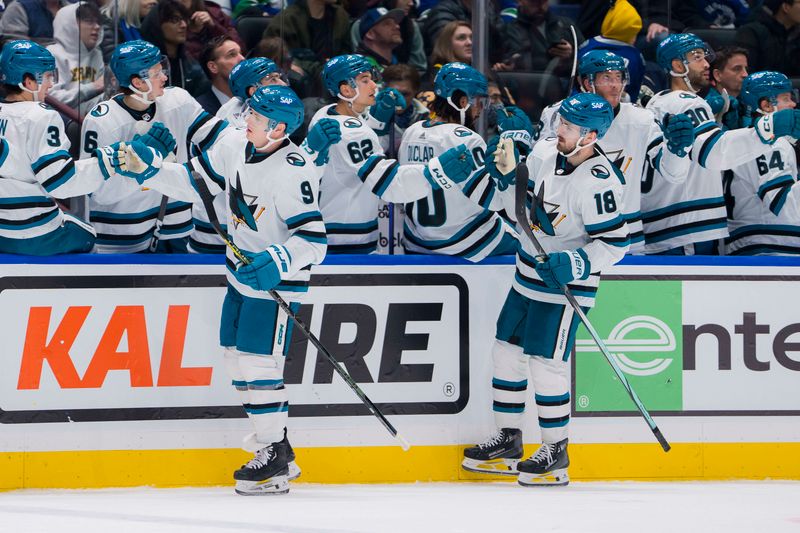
140,162
159,138
262,274
731,119
109,158
325,133
387,103
715,101
514,123
678,133
561,268
778,124
453,166
501,161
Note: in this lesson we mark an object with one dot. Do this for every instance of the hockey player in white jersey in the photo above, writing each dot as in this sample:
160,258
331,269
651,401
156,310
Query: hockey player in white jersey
686,218
36,166
244,79
575,198
763,195
359,174
460,221
634,135
272,189
127,218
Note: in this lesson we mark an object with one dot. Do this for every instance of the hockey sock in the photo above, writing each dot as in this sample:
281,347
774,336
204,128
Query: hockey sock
509,384
268,402
551,385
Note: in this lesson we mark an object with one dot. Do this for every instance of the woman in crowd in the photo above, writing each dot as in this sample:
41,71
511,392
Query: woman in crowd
130,13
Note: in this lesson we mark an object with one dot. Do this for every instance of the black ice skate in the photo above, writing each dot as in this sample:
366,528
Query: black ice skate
266,473
547,467
294,468
498,455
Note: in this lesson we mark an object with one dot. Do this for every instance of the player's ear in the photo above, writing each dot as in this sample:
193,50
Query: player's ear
138,84
212,67
30,82
346,90
585,84
765,105
678,66
280,129
462,102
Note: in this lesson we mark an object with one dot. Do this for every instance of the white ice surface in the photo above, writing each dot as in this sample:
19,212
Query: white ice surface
769,507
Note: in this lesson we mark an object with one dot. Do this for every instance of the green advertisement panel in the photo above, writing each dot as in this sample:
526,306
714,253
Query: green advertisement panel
640,322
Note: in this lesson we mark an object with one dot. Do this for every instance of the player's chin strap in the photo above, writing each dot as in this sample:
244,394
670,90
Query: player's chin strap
34,93
350,101
462,111
142,96
270,141
579,146
685,76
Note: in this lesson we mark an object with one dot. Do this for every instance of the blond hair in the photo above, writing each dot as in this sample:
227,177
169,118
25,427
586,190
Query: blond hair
443,47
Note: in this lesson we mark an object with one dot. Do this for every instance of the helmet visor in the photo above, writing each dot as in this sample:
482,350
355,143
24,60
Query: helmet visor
274,78
699,54
611,78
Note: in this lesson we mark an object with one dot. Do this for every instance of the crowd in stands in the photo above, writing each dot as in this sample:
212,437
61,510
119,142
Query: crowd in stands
531,46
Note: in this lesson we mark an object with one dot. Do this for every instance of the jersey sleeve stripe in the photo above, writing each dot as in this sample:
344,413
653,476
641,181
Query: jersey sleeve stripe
707,146
198,123
604,227
210,172
615,241
655,142
778,202
212,136
386,179
775,183
60,177
3,151
472,184
48,159
302,219
312,236
486,197
369,166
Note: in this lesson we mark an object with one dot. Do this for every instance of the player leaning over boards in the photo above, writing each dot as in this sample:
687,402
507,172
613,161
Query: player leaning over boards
36,165
634,136
459,220
125,216
763,195
687,218
272,189
358,173
574,196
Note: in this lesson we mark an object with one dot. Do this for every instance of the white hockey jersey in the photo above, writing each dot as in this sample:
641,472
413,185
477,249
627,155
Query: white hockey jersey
124,214
675,214
273,205
634,136
460,220
763,198
36,168
356,177
583,205
232,111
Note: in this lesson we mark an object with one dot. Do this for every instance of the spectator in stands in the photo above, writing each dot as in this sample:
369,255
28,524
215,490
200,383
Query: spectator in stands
166,27
79,60
256,8
131,13
380,35
207,21
538,40
30,19
728,70
219,57
411,50
446,11
316,30
767,37
276,49
454,44
405,79
617,35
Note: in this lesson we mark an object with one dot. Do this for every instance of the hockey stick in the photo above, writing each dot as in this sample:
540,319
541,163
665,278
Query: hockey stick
162,211
574,61
390,205
208,203
520,197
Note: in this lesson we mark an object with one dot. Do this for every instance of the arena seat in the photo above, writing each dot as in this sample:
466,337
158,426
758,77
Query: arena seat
716,38
251,29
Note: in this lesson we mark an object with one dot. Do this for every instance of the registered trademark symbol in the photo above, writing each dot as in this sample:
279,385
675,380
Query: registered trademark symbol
583,401
449,389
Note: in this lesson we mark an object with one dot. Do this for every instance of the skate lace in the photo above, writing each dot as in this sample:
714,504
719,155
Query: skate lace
545,452
263,456
494,440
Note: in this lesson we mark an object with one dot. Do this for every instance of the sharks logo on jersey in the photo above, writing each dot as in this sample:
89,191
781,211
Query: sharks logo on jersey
243,206
295,159
462,132
352,123
100,110
544,215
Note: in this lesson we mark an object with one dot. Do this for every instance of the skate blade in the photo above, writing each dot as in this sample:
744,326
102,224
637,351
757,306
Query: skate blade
294,471
266,487
556,478
502,467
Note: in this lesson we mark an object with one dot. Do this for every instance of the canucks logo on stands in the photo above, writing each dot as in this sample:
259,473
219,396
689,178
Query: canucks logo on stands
243,206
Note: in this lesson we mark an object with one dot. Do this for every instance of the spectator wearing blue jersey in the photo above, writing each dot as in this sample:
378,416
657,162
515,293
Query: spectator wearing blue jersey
130,14
618,33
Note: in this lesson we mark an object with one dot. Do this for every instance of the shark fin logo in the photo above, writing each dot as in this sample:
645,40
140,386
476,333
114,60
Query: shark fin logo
243,206
544,215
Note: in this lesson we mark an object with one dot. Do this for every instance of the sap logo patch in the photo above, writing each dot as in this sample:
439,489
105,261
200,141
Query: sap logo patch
100,110
462,132
352,123
599,171
295,159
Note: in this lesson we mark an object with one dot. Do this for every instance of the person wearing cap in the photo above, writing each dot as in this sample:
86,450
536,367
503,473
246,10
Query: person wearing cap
379,29
412,50
620,26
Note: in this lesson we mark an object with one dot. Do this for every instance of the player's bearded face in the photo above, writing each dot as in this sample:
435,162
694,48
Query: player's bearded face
568,135
699,69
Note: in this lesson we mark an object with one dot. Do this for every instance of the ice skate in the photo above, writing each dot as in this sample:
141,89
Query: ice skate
547,467
266,473
294,468
498,455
